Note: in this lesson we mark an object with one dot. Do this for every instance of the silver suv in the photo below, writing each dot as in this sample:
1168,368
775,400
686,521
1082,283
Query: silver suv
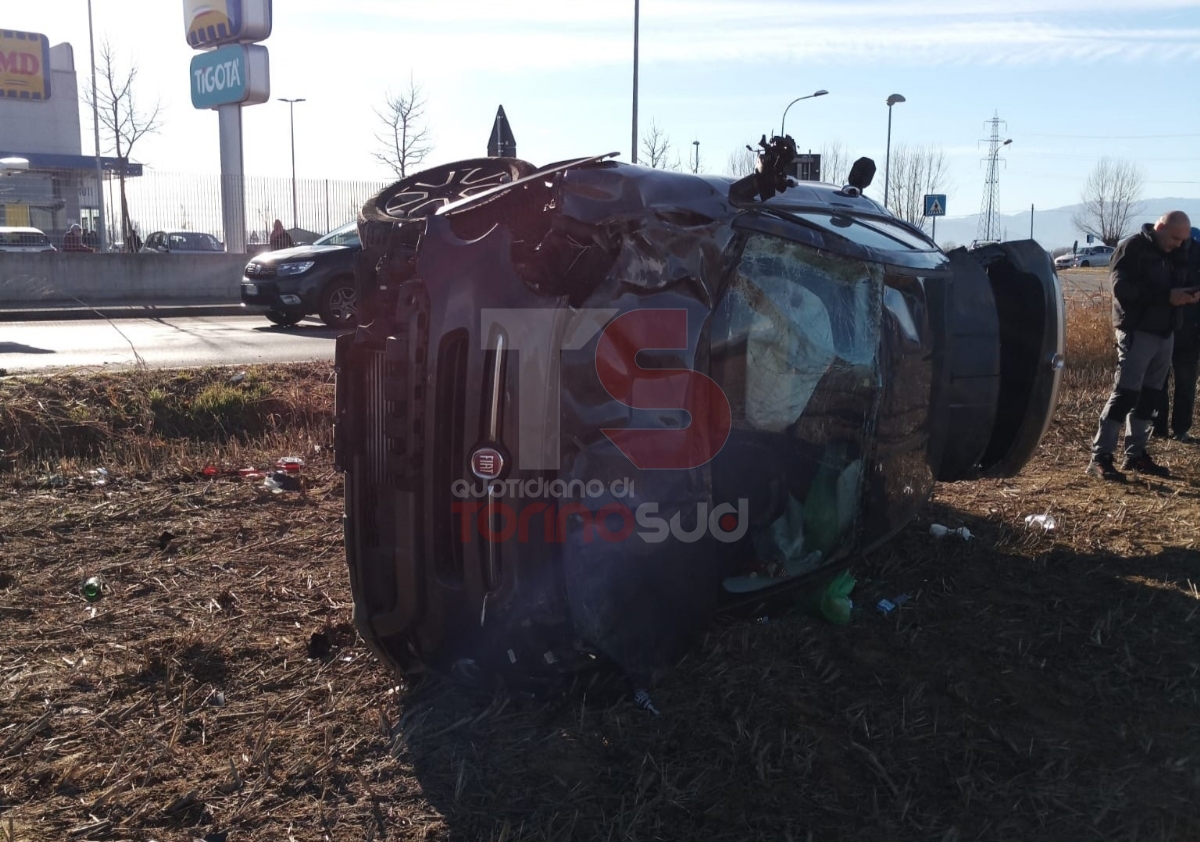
1097,255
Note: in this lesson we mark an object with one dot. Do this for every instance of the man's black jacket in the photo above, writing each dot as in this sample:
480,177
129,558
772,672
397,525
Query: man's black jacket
1142,278
1187,335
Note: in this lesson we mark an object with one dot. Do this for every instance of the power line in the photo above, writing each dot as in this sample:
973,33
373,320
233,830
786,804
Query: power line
1114,136
1052,156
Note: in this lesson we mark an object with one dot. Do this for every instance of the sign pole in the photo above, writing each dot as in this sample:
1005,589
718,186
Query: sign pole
933,236
236,72
233,200
100,221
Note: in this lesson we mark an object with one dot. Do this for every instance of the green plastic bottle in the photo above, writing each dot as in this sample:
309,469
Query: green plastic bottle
836,604
92,589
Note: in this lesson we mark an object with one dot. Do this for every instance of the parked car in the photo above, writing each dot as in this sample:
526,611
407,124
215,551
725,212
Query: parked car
593,404
182,242
297,282
1094,255
24,239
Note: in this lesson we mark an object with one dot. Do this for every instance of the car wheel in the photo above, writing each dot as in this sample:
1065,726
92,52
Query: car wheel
1084,265
420,195
339,303
285,319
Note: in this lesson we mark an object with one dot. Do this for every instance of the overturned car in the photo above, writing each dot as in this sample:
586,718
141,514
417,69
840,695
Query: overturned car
593,404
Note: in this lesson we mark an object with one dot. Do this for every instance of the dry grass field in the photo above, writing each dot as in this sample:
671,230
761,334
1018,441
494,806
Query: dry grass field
1038,685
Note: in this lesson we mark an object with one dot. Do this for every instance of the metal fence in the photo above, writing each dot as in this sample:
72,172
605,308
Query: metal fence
52,200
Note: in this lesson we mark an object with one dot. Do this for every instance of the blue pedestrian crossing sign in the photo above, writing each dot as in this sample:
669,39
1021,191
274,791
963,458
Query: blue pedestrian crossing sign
935,204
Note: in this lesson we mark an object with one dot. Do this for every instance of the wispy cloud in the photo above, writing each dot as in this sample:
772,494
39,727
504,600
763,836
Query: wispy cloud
468,13
472,34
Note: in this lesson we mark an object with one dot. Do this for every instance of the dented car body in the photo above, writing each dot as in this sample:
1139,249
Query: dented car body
592,405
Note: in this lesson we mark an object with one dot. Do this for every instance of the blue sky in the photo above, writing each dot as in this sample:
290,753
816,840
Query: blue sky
1073,80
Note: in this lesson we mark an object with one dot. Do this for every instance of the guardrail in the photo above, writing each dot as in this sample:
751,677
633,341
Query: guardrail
69,278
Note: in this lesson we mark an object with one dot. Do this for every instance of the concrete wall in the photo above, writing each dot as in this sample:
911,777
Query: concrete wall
59,277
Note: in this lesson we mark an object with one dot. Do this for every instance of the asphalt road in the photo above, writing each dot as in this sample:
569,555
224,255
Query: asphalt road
1086,282
171,342
179,339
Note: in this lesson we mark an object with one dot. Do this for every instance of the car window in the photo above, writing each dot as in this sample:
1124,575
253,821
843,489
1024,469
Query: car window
794,348
872,233
23,239
347,235
192,241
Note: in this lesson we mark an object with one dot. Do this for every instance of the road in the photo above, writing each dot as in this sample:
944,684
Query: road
1084,283
181,342
159,343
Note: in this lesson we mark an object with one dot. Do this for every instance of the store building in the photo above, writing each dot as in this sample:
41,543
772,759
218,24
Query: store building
39,123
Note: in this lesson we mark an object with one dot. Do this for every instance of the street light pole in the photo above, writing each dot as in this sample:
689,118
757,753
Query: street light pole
783,122
696,166
292,119
103,232
887,166
636,14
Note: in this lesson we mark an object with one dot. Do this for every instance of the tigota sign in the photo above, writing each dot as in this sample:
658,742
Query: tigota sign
24,65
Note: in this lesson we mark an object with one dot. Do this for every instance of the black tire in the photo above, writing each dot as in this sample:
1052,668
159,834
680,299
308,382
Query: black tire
1084,265
285,319
420,195
339,303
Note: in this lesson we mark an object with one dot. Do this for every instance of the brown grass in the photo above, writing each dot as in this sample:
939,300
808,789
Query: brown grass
1037,686
145,420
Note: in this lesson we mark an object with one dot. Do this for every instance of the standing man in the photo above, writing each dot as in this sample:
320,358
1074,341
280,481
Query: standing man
1149,278
1176,409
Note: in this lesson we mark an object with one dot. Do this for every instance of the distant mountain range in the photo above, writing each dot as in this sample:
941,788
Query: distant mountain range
1052,228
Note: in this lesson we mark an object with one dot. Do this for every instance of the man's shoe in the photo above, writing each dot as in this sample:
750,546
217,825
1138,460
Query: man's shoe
1145,465
1185,438
1102,467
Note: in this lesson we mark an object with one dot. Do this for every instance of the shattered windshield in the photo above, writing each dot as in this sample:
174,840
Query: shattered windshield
797,313
795,347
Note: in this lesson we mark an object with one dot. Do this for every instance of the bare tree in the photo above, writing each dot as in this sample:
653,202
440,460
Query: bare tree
405,140
121,122
655,146
1112,197
741,162
916,171
835,163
